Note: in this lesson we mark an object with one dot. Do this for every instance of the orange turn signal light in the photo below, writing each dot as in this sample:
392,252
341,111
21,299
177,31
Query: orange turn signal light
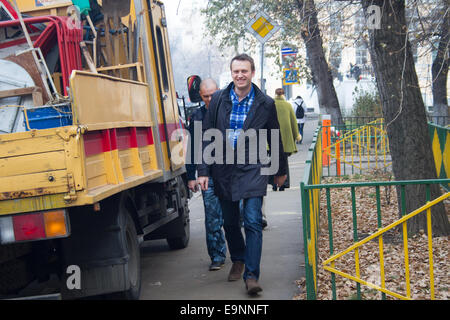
55,223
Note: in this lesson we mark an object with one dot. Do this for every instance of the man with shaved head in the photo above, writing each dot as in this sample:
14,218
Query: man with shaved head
215,241
207,88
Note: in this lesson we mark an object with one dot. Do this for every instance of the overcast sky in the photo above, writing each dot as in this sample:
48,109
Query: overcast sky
184,16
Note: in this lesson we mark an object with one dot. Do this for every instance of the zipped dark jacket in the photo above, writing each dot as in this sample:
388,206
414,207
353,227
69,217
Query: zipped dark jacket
243,178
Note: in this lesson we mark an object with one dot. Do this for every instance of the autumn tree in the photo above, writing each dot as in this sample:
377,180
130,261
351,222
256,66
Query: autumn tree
404,111
428,25
320,70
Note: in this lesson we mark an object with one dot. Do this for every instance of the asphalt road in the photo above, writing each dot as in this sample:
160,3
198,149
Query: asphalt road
184,275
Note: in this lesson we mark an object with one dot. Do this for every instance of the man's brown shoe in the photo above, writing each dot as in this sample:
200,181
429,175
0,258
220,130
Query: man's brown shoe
252,286
236,271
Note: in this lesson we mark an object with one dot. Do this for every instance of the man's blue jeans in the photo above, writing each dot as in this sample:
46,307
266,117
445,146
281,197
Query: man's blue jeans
248,250
215,241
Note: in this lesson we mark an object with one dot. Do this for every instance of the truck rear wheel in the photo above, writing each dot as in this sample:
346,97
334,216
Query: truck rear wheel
133,266
134,263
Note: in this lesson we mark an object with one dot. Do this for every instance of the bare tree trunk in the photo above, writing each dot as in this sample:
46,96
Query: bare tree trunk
439,71
404,112
321,74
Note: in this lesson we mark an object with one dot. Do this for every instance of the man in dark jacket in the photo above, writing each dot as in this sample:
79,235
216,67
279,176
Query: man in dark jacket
215,241
238,111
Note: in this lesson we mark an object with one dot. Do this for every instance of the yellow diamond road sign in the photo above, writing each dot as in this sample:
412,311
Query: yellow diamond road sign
262,27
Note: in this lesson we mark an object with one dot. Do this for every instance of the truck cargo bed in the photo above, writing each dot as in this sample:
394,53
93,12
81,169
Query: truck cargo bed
103,153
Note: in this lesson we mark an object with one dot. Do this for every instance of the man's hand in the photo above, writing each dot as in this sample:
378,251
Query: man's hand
299,137
203,182
279,180
192,185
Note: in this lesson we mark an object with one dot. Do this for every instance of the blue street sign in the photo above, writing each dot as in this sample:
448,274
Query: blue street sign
288,51
290,76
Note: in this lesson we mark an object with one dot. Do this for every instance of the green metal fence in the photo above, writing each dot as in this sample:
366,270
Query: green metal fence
310,211
311,186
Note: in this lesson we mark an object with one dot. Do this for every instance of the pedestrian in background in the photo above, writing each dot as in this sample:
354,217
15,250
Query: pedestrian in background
239,107
215,240
299,110
288,129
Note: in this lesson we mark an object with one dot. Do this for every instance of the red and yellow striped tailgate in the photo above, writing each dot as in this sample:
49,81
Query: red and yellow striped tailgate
114,156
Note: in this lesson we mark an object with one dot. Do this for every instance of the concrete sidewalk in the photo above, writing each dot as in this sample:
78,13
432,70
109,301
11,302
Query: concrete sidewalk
183,274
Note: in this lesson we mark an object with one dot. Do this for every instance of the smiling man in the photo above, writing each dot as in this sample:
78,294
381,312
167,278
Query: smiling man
240,107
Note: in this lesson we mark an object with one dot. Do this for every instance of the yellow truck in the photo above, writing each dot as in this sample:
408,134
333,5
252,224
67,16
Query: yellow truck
91,155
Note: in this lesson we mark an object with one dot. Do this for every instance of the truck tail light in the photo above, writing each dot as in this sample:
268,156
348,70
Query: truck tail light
6,230
28,227
33,226
55,223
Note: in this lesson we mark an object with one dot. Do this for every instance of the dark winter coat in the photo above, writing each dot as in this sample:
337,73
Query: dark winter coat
240,181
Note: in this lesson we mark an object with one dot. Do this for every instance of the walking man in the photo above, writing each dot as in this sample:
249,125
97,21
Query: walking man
299,110
215,241
234,111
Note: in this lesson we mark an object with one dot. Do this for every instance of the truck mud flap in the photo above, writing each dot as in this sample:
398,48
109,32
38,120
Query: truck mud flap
97,248
95,281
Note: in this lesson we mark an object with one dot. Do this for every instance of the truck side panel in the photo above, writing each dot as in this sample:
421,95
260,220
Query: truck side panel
32,166
102,102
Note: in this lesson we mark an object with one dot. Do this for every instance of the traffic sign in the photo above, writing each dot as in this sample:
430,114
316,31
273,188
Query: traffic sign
286,51
288,57
290,76
262,27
